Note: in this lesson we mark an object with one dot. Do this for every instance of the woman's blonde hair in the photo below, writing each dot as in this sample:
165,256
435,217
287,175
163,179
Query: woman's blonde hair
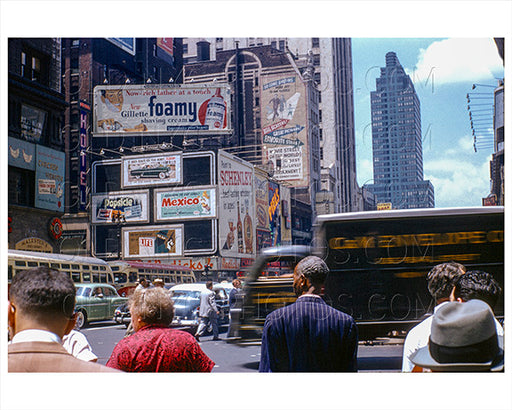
152,306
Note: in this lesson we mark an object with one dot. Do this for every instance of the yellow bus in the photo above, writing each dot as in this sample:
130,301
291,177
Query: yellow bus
128,273
81,269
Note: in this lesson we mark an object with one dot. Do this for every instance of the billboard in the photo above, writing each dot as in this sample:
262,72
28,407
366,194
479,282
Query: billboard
126,206
32,123
157,108
50,177
274,204
22,154
284,128
147,170
153,241
124,43
185,203
166,44
236,207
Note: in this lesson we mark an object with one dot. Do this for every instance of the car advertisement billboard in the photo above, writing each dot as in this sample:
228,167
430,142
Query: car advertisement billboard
123,206
177,109
146,170
153,241
50,177
236,207
284,128
185,203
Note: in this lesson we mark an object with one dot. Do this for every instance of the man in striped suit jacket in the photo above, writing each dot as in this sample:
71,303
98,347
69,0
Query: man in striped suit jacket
309,335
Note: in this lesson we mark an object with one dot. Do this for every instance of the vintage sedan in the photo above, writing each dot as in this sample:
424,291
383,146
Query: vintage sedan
96,301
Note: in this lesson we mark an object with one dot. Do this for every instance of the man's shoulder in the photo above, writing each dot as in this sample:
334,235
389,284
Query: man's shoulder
47,357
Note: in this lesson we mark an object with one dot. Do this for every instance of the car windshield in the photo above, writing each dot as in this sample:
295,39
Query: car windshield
184,295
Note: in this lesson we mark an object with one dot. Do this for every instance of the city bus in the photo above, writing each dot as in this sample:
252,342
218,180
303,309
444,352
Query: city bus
128,273
378,263
81,269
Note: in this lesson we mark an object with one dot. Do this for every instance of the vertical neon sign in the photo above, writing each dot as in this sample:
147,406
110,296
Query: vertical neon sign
84,142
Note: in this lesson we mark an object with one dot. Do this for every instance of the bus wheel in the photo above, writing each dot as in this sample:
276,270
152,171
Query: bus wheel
81,319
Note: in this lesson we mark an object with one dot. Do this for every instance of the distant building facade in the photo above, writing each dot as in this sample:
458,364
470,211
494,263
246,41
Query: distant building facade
275,118
86,63
329,63
397,144
36,151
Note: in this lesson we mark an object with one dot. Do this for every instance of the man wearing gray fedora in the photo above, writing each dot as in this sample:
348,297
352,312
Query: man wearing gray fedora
463,338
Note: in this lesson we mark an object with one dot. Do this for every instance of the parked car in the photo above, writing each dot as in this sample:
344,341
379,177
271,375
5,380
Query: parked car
96,301
186,305
122,315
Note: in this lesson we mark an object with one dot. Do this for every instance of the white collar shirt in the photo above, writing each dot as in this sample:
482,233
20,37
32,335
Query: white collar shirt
35,335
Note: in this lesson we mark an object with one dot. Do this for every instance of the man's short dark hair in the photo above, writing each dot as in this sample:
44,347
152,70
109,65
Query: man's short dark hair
480,285
209,284
313,268
442,278
43,291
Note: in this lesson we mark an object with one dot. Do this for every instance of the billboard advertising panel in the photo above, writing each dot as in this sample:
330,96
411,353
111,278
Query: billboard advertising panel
274,205
153,241
50,176
129,206
284,127
124,43
185,203
146,170
236,207
176,108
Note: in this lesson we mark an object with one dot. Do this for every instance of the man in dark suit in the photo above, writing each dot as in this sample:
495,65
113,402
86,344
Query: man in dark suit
309,335
40,313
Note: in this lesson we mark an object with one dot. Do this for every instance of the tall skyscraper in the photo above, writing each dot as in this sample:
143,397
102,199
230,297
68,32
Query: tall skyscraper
397,145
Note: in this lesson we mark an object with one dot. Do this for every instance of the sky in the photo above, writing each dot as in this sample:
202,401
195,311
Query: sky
443,71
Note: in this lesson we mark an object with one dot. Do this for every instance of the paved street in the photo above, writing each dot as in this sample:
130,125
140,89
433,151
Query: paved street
384,355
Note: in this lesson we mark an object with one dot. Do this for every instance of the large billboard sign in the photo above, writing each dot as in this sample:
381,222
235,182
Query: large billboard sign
123,206
236,207
185,203
284,127
153,241
147,170
146,109
124,43
50,178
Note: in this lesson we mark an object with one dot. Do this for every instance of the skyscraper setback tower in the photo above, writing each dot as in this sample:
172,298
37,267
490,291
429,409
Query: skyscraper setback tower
397,145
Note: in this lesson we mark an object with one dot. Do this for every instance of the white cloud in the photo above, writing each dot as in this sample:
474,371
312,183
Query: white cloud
457,181
458,60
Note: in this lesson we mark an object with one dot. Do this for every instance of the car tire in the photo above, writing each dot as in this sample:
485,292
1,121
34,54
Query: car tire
81,319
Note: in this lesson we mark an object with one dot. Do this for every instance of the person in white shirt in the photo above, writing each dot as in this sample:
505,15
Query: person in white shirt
440,282
77,344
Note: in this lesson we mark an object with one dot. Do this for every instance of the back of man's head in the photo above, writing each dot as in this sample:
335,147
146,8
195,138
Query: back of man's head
478,285
43,293
442,278
209,285
313,268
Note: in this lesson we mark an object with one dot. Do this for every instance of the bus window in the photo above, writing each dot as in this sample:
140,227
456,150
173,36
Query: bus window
46,264
133,277
115,268
55,266
95,278
75,267
30,263
94,267
86,267
103,277
86,277
9,273
20,263
65,266
76,277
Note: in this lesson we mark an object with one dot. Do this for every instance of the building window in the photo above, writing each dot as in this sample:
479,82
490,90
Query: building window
315,42
281,45
21,187
185,48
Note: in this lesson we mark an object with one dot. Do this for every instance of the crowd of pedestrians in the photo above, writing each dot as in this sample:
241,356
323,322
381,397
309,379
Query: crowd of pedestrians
462,334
